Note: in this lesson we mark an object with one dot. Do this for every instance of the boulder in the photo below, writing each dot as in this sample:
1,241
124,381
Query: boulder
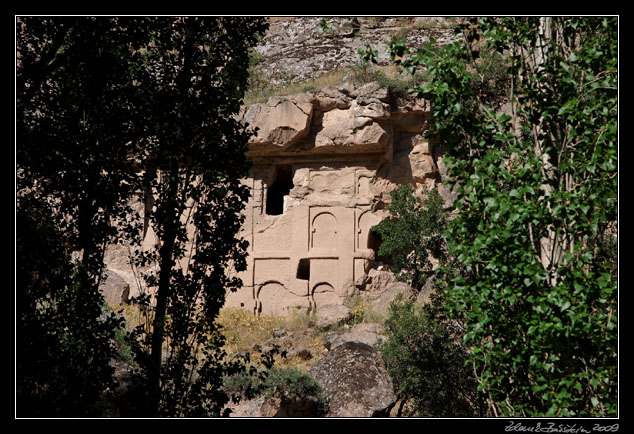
114,288
358,125
300,352
329,98
280,122
367,333
355,382
332,315
376,282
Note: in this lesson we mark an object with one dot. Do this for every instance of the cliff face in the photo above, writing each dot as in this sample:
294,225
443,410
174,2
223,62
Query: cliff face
324,164
300,48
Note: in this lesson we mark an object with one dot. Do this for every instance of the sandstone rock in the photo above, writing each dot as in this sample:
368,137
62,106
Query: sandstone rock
409,122
371,327
330,315
369,22
114,288
376,282
299,352
372,91
280,122
324,164
330,98
424,296
354,126
279,333
369,334
354,381
297,49
381,305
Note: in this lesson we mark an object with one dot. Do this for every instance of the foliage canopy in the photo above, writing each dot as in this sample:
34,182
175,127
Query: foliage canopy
110,108
534,165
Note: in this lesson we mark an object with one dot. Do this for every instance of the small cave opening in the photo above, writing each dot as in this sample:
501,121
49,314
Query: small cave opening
374,243
280,187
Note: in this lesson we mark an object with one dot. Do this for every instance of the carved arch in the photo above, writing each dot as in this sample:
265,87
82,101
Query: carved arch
323,234
320,290
279,291
364,238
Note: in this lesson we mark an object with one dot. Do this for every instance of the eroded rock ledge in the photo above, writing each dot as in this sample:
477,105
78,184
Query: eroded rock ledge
337,120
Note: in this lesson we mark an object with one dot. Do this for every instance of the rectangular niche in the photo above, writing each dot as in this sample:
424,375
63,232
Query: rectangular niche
364,238
363,179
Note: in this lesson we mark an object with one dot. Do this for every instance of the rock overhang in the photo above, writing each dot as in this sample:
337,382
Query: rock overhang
334,123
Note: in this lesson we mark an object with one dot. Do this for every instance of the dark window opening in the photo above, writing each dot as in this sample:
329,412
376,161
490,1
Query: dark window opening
303,269
374,240
374,243
280,187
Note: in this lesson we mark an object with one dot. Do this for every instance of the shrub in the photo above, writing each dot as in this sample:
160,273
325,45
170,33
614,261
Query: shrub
287,383
426,362
413,236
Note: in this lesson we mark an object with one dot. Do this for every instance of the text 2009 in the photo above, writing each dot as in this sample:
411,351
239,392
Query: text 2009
606,428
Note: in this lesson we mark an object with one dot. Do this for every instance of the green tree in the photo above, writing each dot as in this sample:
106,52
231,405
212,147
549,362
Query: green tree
537,204
195,77
413,235
73,138
424,353
108,108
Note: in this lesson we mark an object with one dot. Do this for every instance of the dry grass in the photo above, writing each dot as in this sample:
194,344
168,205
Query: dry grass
245,331
263,92
242,329
133,316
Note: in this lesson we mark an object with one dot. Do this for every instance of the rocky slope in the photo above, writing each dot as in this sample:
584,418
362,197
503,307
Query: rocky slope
301,48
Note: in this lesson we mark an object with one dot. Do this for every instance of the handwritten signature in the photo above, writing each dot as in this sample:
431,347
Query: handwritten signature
552,427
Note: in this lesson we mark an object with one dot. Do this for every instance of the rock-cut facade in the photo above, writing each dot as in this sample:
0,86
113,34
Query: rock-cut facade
323,166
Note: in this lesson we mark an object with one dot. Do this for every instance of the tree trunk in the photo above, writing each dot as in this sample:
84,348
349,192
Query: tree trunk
162,295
